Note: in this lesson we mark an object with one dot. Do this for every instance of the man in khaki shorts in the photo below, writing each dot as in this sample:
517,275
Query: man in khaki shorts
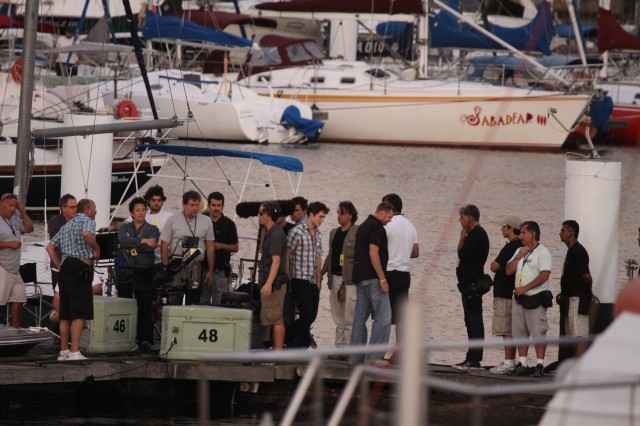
14,223
503,292
272,275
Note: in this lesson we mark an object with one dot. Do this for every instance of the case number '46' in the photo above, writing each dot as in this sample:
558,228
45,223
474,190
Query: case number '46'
119,326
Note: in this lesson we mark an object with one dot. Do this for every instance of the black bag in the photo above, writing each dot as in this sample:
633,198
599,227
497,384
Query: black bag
528,302
482,285
544,299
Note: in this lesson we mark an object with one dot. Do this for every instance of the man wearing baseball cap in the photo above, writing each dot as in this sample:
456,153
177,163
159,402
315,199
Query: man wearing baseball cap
503,292
14,222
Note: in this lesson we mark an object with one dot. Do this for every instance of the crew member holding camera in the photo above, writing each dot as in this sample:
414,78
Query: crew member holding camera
226,243
189,233
138,239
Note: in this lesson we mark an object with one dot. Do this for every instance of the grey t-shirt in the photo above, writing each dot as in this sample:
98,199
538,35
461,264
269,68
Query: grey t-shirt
177,227
10,230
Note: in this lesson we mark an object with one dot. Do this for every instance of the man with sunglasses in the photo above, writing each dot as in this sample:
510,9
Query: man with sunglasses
14,223
68,210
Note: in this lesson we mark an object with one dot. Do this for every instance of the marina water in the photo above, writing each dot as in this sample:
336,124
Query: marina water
433,183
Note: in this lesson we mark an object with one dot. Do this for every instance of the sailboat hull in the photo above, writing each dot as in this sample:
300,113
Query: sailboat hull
364,104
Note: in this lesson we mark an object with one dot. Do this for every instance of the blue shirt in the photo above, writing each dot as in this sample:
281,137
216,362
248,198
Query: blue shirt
70,240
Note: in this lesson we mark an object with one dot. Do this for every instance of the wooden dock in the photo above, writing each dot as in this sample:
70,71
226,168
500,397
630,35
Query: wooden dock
171,388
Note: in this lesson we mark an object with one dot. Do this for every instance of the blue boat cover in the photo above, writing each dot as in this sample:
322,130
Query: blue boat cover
289,164
600,111
291,118
446,31
513,63
158,26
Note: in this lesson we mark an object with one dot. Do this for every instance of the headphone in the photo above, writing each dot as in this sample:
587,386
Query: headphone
275,210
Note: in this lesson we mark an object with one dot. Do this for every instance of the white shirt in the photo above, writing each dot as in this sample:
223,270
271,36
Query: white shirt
63,41
401,236
538,260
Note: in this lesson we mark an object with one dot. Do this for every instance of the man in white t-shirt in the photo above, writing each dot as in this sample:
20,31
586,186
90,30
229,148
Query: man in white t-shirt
403,246
155,215
532,266
65,64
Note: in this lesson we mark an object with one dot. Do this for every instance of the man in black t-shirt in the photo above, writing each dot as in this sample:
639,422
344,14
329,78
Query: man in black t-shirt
473,250
370,262
226,243
575,288
503,286
272,273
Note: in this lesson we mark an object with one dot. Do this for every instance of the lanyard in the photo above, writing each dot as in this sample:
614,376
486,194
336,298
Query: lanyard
8,222
195,225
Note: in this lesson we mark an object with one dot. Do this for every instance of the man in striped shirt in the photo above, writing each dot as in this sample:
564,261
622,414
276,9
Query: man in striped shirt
77,242
304,260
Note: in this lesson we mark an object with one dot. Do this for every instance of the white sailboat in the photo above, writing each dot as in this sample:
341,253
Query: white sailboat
370,104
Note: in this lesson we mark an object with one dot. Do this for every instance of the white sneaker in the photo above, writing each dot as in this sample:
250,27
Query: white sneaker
63,355
502,368
75,356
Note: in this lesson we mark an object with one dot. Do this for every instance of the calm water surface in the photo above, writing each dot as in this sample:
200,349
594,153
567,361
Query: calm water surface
433,183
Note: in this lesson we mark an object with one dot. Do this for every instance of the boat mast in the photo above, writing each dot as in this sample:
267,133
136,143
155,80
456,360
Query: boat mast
21,180
577,32
135,40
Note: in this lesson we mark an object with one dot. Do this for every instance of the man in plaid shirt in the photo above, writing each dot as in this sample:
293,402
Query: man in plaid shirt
304,260
77,242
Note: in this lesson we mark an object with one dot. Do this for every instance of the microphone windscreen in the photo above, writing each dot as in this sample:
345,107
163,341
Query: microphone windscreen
286,207
248,209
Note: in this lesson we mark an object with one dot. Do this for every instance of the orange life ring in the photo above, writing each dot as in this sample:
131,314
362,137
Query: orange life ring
127,109
16,71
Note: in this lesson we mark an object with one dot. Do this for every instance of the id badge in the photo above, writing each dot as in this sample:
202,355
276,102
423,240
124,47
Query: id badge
520,280
341,259
133,252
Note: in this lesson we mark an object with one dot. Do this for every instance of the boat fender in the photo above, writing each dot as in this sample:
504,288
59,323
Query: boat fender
127,109
16,71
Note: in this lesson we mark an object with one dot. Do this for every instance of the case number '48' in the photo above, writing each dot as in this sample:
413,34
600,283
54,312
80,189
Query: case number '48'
208,335
119,326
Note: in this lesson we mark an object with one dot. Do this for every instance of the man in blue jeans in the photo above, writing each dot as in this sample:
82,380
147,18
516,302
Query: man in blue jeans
370,262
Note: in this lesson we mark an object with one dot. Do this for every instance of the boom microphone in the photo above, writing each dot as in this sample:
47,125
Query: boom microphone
248,209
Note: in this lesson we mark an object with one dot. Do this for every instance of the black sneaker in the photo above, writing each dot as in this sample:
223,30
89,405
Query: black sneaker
519,370
467,366
538,371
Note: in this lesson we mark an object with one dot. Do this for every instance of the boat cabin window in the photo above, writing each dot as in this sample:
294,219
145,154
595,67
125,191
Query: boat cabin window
297,53
317,79
377,73
315,50
348,80
265,57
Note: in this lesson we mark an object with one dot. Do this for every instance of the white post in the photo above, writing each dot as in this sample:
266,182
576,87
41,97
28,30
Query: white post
592,198
86,164
411,400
